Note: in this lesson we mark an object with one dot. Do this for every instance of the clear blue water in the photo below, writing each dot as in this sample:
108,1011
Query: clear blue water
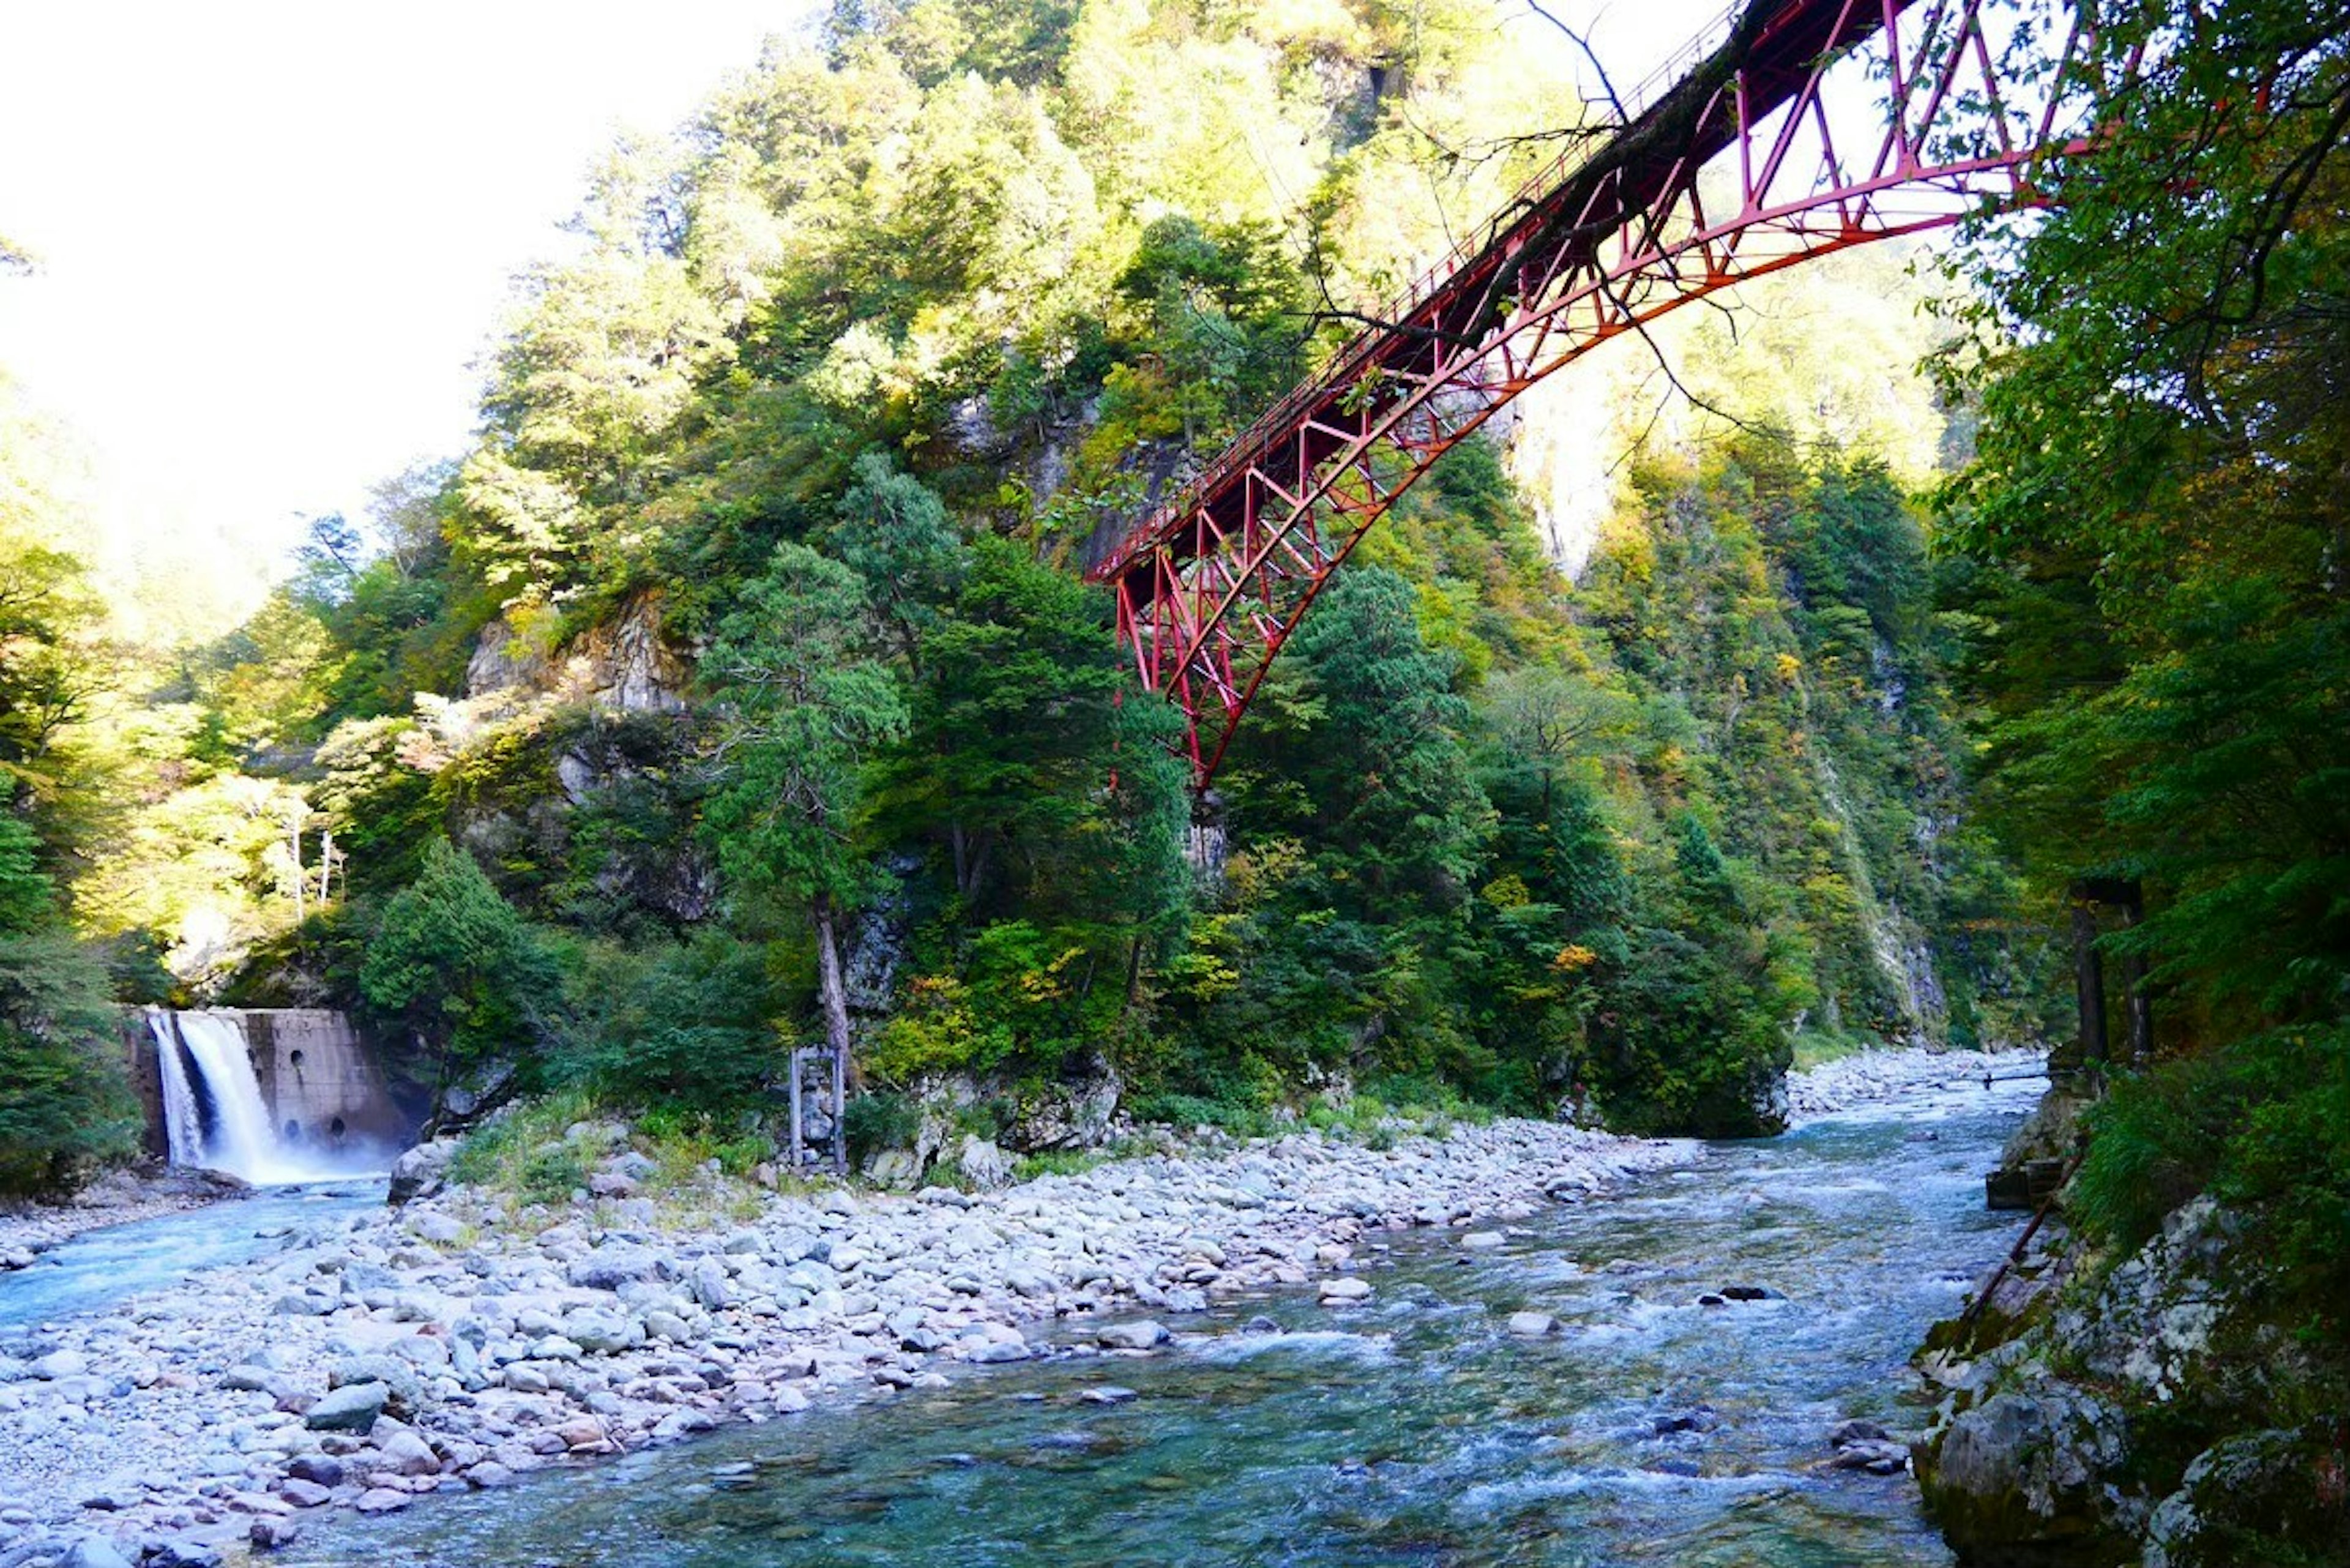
97,1269
1413,1431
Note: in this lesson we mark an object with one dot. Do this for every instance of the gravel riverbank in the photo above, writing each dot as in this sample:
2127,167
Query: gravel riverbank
447,1346
1880,1077
441,1347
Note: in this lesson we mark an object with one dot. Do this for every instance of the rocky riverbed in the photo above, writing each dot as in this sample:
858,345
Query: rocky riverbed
1880,1077
452,1345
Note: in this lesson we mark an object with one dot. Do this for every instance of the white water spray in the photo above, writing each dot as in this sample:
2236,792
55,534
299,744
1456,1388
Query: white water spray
213,1115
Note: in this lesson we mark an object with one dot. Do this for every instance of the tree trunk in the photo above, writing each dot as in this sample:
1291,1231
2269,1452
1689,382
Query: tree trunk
830,991
835,998
970,860
2140,1005
2089,981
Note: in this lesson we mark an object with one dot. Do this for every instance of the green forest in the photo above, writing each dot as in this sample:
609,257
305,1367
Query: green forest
739,689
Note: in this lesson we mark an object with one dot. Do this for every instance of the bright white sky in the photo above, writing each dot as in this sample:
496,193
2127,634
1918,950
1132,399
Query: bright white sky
276,234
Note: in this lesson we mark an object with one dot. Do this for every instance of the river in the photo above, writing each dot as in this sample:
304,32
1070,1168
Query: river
93,1271
1413,1430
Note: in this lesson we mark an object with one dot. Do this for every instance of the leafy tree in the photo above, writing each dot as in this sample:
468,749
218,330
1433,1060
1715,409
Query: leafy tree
63,1103
49,674
807,704
687,1024
894,532
1384,759
474,985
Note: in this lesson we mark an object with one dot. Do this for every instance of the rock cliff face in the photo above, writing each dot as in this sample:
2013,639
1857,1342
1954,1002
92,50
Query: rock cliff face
621,666
2144,1410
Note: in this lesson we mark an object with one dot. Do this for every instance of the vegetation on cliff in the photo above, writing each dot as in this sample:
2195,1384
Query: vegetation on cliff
2150,554
746,657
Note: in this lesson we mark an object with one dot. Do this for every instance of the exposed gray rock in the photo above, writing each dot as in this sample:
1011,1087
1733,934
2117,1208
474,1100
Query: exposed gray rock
983,1164
94,1551
1143,1336
422,1172
351,1408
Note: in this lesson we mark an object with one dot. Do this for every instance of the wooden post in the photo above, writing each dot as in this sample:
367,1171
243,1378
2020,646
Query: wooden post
840,1112
799,1056
2089,981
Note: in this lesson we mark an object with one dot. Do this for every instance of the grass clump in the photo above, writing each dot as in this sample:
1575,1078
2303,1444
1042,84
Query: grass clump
545,1153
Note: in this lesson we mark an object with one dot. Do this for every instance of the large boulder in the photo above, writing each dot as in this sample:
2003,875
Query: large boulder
983,1163
2272,1496
2022,1477
353,1407
2125,1403
422,1172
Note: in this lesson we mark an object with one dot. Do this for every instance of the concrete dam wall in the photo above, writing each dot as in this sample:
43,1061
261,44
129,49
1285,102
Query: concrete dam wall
267,1094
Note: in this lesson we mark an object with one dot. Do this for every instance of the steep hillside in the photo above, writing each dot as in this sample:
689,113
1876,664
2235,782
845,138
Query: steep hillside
745,654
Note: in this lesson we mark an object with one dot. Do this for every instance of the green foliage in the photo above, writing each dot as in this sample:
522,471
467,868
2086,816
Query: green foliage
27,894
2258,1122
879,1121
452,963
809,705
689,1026
64,1105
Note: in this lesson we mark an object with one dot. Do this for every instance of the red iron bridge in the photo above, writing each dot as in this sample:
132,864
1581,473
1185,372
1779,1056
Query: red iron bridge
1787,130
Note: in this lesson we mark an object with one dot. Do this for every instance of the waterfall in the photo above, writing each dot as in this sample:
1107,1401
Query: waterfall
213,1113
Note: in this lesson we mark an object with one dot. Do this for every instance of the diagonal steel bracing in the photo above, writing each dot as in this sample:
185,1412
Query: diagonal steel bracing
1817,125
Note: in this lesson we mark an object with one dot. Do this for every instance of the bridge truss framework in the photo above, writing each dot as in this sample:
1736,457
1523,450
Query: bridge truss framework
1839,123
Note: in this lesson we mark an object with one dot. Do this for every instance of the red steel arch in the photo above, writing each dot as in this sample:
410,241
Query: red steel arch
1836,122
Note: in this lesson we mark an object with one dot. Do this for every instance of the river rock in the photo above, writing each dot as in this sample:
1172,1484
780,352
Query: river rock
351,1408
93,1551
1532,1324
60,1364
319,1469
1347,1290
1876,1458
422,1172
609,1268
269,1534
1107,1394
603,1332
407,1454
1143,1336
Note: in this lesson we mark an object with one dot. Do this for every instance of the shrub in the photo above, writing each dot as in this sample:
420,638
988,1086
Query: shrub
879,1121
2258,1124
